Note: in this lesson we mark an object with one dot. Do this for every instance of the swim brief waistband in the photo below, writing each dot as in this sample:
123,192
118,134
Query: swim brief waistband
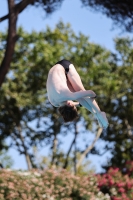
65,64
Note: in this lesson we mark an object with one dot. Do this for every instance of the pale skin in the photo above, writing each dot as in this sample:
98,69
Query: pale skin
62,91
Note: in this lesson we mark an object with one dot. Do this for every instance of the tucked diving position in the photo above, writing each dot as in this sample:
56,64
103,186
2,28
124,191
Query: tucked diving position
66,91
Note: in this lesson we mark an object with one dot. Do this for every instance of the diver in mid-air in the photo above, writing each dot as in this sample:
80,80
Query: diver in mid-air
64,87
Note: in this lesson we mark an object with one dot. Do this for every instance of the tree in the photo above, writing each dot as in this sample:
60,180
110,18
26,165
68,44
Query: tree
24,100
110,75
122,115
23,95
115,94
121,12
5,160
15,7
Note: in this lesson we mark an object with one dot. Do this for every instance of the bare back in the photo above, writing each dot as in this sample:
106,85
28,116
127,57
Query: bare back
57,85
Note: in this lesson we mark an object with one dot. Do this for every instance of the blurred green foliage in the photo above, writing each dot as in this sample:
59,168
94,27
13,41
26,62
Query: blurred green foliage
5,160
26,116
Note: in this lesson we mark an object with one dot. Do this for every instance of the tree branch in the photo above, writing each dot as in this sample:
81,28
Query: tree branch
4,18
89,148
11,39
14,10
129,129
23,4
55,142
28,160
18,8
74,139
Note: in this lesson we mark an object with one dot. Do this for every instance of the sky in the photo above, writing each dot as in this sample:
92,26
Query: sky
98,27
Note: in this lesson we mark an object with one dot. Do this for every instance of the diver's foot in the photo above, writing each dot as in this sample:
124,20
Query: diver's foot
102,119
